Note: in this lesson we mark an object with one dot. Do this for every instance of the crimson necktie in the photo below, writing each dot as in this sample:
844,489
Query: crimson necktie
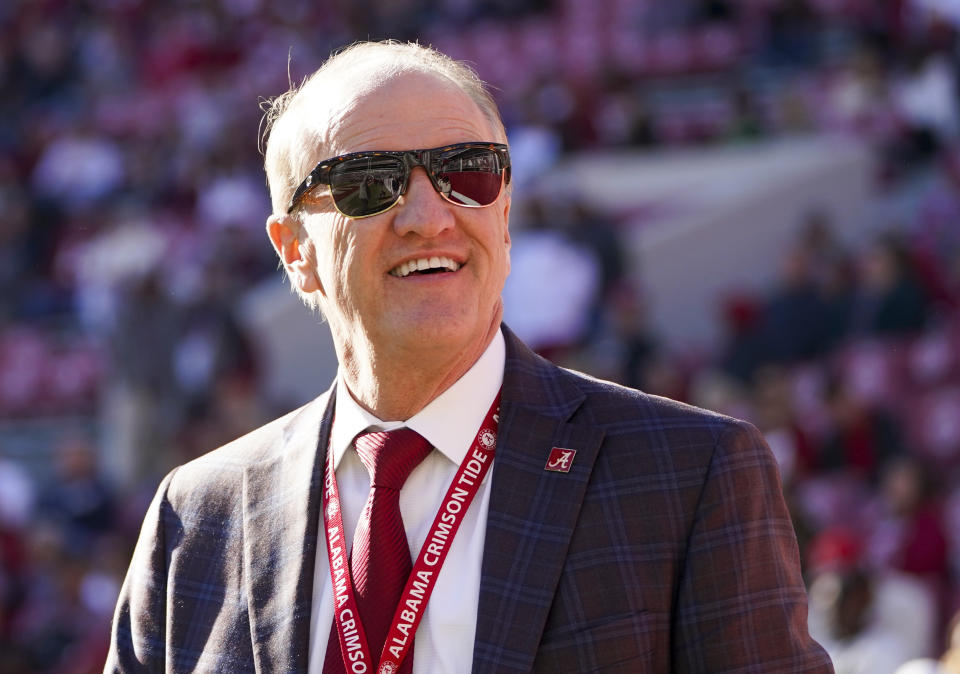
380,561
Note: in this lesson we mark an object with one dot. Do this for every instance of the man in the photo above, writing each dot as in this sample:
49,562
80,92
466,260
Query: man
615,531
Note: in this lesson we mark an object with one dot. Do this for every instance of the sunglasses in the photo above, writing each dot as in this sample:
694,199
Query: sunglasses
363,184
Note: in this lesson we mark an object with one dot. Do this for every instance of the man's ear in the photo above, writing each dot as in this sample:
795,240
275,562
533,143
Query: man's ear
285,234
506,229
506,221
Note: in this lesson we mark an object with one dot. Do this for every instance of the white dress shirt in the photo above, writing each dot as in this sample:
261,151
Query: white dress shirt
444,639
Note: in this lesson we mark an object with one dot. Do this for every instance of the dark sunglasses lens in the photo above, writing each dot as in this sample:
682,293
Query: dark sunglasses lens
470,177
366,186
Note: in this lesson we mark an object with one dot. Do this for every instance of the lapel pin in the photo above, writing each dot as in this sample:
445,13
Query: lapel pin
560,461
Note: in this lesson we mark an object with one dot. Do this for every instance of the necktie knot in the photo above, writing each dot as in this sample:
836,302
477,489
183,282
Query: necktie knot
390,456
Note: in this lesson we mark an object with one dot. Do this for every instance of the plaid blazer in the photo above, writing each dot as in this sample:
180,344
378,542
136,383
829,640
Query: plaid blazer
667,547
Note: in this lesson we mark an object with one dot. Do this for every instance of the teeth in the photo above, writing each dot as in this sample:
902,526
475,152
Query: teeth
423,264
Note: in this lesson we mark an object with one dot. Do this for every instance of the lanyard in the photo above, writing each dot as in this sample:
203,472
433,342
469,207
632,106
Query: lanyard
353,640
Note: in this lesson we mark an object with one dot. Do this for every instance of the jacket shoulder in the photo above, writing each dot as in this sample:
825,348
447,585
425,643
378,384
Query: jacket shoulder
666,441
218,474
621,410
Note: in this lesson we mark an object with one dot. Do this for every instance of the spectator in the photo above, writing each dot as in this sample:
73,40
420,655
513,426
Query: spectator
909,535
143,342
926,98
861,436
744,351
889,300
852,637
553,284
830,270
78,500
776,418
794,319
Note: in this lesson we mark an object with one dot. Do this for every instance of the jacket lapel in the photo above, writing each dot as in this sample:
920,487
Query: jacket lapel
532,511
281,505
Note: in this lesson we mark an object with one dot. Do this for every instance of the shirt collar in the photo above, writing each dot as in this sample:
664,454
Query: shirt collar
449,422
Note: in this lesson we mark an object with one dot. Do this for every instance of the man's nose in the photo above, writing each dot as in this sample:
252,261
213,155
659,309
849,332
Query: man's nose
421,209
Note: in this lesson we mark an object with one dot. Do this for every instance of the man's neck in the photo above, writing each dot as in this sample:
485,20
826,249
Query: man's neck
394,387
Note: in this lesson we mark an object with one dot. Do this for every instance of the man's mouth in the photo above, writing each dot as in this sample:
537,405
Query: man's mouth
424,265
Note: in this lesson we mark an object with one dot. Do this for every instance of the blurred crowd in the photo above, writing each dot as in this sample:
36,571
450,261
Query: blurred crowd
133,201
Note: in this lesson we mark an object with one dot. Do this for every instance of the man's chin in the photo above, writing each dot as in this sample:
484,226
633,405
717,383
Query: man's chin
439,332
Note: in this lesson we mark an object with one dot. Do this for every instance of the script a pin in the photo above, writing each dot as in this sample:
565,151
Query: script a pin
560,460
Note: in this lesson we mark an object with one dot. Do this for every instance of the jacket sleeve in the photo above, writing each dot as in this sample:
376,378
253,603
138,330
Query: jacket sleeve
138,633
741,603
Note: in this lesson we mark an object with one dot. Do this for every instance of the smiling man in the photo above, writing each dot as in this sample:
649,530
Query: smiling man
452,503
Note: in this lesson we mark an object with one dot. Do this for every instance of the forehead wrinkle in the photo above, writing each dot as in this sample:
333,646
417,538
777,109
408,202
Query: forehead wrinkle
374,139
453,114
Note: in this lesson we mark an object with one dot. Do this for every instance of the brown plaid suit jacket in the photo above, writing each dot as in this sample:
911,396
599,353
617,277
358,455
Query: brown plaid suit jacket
666,548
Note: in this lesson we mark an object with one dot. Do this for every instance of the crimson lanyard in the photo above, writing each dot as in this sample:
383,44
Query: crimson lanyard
423,576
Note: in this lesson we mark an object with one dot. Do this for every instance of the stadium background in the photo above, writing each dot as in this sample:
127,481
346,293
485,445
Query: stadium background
749,205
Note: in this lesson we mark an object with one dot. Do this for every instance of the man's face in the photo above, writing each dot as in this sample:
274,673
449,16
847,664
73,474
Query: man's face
359,263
